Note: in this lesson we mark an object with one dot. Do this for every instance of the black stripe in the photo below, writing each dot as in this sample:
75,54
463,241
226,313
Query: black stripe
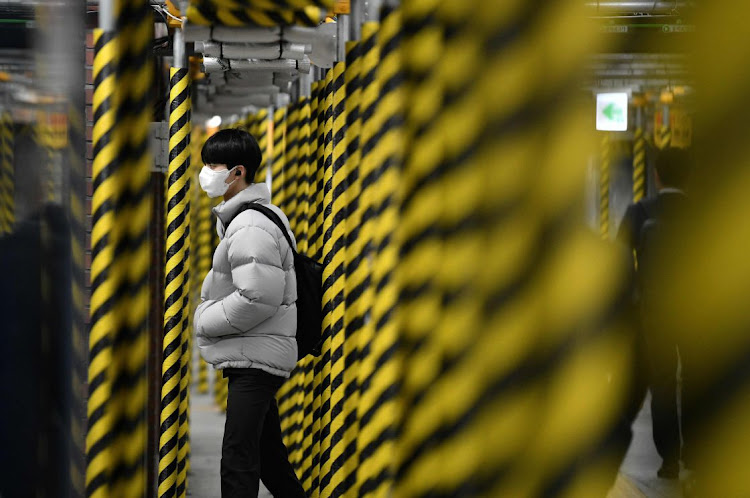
348,482
385,396
101,479
174,202
348,451
100,110
178,76
103,343
179,147
97,313
372,484
108,170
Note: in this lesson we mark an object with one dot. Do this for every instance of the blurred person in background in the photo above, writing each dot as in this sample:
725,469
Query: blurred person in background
642,226
35,307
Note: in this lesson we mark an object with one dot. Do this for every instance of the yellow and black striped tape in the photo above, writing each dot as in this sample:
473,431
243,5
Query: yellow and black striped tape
106,178
206,12
419,232
273,5
261,135
291,167
312,372
324,388
198,368
639,165
278,150
177,251
133,251
75,155
380,413
345,467
183,452
604,178
334,274
116,440
7,192
303,455
302,190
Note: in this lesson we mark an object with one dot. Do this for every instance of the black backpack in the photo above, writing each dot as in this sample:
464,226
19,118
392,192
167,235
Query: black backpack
309,289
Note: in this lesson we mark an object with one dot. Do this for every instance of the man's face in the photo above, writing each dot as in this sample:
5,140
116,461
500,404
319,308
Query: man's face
235,182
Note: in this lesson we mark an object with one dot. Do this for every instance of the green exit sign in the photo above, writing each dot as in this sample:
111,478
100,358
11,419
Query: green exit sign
612,111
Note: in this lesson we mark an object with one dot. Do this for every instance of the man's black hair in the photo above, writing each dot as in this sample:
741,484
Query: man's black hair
233,147
674,167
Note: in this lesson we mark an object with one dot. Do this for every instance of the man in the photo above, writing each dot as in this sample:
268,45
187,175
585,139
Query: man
641,230
246,323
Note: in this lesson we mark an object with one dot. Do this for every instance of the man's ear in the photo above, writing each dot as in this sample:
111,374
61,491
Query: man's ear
241,171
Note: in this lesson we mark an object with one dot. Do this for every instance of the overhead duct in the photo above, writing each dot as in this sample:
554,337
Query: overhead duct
222,100
295,51
324,41
240,91
217,65
247,79
639,73
639,57
605,7
253,50
229,34
196,32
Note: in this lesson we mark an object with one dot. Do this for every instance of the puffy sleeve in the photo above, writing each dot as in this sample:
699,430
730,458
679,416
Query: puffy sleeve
258,278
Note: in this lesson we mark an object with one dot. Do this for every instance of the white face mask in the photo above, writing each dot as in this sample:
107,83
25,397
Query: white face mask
214,182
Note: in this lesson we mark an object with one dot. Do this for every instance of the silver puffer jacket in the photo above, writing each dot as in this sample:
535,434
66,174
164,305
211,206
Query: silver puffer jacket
248,317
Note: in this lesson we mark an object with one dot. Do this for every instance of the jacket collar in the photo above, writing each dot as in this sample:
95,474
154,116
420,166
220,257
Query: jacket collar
255,192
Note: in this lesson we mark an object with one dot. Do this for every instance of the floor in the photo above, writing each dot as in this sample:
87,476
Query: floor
642,461
637,477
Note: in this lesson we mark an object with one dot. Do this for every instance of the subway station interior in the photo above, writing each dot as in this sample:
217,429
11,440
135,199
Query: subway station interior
528,221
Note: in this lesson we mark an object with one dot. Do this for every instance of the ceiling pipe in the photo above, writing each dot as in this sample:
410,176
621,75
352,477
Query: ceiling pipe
106,15
248,80
295,51
342,35
244,35
223,100
355,22
639,57
217,65
242,80
250,90
372,10
653,67
196,32
303,34
641,73
266,51
607,7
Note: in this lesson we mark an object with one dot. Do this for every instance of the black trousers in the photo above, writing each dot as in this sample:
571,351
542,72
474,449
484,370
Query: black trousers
663,385
252,448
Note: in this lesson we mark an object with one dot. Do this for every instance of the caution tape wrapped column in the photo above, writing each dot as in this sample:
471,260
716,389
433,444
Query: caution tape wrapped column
174,386
604,172
116,440
7,193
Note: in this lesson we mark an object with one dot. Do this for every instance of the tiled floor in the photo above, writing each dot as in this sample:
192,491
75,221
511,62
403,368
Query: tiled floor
637,474
642,461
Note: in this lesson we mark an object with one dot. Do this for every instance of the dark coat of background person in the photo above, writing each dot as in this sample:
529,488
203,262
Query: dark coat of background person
641,231
35,371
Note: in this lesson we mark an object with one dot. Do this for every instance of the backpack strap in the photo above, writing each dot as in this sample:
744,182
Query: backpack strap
269,214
